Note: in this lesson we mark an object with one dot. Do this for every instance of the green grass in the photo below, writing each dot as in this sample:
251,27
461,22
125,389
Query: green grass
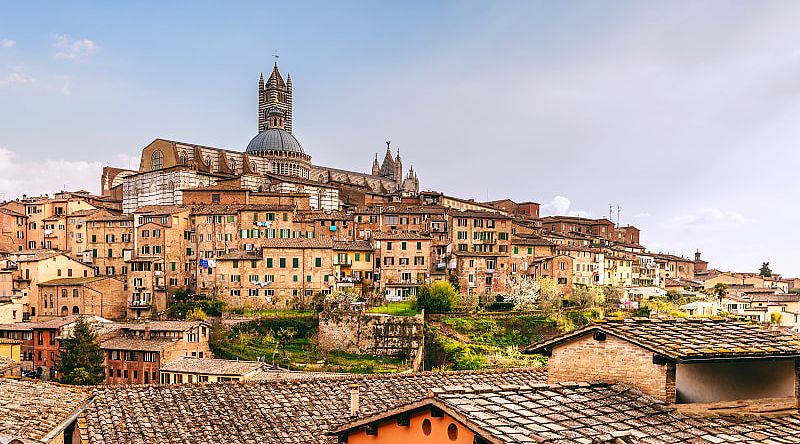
302,354
400,308
252,313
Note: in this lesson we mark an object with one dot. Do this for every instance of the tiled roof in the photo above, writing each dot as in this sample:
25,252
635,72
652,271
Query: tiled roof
594,413
33,409
400,236
687,339
188,364
163,325
760,297
532,241
294,411
7,363
137,344
353,245
74,281
297,243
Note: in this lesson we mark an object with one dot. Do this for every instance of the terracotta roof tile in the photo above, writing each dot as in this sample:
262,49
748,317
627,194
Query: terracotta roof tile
33,409
293,411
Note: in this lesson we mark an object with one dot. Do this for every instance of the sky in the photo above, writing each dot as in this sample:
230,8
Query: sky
682,113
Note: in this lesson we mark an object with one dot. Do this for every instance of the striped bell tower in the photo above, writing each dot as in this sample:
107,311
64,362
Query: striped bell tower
275,93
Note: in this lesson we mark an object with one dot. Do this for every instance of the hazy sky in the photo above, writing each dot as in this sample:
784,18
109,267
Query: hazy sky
686,114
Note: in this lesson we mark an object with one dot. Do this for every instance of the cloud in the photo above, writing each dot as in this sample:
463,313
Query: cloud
67,48
5,43
711,217
13,78
34,177
559,206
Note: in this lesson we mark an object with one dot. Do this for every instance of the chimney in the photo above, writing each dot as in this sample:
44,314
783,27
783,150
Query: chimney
354,402
147,329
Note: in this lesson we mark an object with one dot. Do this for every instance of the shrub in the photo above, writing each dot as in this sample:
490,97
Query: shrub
439,297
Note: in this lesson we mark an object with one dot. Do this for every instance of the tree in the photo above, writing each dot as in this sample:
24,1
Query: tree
549,295
439,297
81,359
523,291
197,314
765,271
586,296
775,318
453,279
720,290
674,296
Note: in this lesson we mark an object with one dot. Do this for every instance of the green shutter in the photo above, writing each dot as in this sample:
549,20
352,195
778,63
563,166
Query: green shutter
283,262
269,262
295,262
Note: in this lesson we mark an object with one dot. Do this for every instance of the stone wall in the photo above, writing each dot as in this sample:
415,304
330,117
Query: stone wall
612,360
372,334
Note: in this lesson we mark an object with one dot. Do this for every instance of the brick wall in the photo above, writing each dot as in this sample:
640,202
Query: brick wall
612,360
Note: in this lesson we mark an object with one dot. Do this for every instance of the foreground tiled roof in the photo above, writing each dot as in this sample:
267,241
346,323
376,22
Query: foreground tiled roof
602,413
295,411
586,413
32,409
689,339
188,364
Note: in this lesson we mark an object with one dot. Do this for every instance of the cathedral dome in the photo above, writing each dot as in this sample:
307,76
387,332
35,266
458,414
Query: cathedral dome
274,139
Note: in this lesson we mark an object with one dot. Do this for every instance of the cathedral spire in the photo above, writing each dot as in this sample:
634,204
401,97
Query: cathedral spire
376,167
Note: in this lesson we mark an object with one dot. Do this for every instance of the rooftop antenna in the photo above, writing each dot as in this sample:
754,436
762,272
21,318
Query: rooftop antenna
609,211
618,210
275,56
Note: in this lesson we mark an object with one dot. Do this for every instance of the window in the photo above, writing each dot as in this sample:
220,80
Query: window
295,262
215,198
157,160
282,262
318,262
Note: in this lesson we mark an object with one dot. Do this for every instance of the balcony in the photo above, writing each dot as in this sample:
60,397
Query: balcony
140,305
345,263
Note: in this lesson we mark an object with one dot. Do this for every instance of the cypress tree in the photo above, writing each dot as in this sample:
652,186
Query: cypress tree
81,358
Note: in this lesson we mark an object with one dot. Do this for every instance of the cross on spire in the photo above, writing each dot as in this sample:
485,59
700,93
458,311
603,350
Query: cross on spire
275,56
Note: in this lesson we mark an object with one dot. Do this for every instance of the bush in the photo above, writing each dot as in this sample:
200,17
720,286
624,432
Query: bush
439,297
500,306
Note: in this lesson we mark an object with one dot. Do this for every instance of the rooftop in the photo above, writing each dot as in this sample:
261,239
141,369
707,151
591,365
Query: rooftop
32,409
688,339
589,413
285,411
189,364
137,344
74,280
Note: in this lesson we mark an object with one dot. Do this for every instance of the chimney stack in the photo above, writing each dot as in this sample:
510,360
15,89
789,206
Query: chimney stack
354,401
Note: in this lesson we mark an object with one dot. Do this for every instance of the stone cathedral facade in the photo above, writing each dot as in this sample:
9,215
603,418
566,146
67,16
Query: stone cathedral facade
273,161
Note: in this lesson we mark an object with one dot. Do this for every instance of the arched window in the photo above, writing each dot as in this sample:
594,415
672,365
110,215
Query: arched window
233,166
64,310
184,159
157,160
253,167
76,310
208,161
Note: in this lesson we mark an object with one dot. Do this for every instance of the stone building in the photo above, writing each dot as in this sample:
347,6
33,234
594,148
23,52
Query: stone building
403,261
284,272
102,296
679,361
137,351
274,160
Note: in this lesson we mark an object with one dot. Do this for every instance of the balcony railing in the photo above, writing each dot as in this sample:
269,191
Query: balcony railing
140,304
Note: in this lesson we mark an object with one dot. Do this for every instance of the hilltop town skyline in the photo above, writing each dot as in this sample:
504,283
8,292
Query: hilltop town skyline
675,174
